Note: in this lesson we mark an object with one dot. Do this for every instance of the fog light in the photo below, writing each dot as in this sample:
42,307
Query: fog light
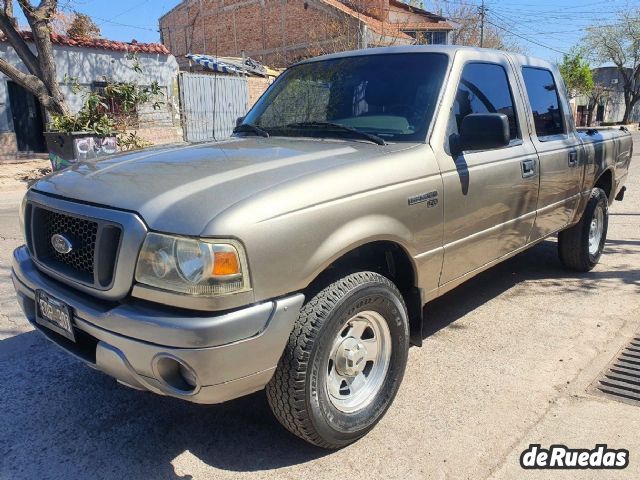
175,374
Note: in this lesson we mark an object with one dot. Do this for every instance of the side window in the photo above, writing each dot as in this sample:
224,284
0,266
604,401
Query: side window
544,100
484,88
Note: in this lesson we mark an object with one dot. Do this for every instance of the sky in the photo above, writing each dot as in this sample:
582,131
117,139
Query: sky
545,28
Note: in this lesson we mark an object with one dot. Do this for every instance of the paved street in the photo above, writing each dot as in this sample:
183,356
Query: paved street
508,361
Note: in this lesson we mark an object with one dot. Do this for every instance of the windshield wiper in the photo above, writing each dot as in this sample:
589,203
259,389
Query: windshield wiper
337,126
251,128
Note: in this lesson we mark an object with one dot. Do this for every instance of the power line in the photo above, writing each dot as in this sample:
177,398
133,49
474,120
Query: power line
128,10
125,25
525,38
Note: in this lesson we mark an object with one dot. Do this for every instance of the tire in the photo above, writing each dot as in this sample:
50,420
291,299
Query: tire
580,247
309,393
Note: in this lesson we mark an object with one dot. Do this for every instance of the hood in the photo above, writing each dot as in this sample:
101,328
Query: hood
179,189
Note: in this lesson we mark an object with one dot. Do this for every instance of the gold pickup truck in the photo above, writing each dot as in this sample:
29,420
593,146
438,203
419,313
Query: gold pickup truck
298,255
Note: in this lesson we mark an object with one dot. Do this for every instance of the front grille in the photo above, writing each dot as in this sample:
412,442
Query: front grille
94,242
82,234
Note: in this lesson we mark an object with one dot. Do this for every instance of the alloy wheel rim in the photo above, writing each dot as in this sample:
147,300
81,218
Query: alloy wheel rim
596,230
358,361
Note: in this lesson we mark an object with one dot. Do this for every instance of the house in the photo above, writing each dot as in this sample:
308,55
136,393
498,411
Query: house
277,32
606,105
90,62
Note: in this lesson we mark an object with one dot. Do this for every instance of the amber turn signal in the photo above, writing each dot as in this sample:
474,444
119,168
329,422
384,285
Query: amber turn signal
226,263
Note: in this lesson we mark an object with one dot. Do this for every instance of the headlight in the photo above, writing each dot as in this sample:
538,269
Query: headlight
192,266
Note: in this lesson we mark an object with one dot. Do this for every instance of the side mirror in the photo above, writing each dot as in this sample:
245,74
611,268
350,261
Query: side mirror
239,121
482,131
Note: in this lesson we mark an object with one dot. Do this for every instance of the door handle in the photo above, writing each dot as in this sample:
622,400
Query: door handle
573,158
528,168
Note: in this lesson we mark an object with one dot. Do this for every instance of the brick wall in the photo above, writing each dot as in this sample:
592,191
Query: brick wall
275,32
257,86
161,125
160,135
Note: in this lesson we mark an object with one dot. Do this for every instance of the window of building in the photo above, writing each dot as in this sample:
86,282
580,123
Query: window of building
435,38
484,88
544,100
428,38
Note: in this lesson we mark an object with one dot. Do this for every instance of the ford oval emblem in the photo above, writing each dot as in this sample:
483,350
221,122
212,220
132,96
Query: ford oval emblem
61,244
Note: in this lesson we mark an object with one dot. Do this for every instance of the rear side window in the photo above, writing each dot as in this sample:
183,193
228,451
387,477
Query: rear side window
544,100
484,88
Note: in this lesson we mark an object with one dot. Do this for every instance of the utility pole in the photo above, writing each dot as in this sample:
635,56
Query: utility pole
483,12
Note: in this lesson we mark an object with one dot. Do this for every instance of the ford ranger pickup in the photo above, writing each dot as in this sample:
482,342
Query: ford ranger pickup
298,255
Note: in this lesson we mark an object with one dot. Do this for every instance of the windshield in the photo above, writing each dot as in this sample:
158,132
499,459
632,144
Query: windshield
390,96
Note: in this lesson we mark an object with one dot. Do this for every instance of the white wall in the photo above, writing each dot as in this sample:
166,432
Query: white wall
89,65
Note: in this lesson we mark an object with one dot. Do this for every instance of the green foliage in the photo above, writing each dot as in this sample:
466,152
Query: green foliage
112,108
576,74
92,117
132,141
135,62
129,95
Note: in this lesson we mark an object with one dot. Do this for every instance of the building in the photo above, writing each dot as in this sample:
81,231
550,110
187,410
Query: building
90,62
277,32
606,105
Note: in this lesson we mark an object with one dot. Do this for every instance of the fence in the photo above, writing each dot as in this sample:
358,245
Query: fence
211,104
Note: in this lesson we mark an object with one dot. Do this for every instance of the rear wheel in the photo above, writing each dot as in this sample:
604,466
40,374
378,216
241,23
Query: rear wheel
580,247
344,361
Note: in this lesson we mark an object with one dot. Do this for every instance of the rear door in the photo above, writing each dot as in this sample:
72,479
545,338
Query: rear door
490,196
559,149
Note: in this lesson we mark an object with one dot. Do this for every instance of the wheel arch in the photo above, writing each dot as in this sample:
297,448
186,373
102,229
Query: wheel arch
386,256
605,182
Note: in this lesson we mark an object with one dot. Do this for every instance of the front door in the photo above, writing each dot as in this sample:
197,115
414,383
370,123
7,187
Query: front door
27,119
490,196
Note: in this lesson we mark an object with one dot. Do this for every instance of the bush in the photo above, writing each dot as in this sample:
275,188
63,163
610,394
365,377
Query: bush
110,111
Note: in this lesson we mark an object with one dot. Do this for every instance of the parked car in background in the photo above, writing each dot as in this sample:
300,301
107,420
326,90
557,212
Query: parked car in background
298,256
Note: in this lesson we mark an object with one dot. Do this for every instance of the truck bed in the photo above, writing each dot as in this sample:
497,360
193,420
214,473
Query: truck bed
607,148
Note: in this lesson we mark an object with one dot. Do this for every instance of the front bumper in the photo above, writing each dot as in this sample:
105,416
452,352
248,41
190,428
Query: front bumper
228,355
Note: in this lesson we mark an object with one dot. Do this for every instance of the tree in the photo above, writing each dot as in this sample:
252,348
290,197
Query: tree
61,22
599,95
83,27
576,74
40,77
466,20
619,44
7,9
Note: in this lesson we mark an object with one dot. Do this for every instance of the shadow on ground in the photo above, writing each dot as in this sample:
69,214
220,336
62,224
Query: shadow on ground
63,420
541,264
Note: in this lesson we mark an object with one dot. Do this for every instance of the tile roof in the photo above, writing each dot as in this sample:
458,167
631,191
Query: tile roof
405,6
99,44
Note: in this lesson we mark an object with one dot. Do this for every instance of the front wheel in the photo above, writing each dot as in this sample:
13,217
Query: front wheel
580,247
344,362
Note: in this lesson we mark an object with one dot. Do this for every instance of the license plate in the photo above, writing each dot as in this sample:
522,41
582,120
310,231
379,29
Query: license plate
54,314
